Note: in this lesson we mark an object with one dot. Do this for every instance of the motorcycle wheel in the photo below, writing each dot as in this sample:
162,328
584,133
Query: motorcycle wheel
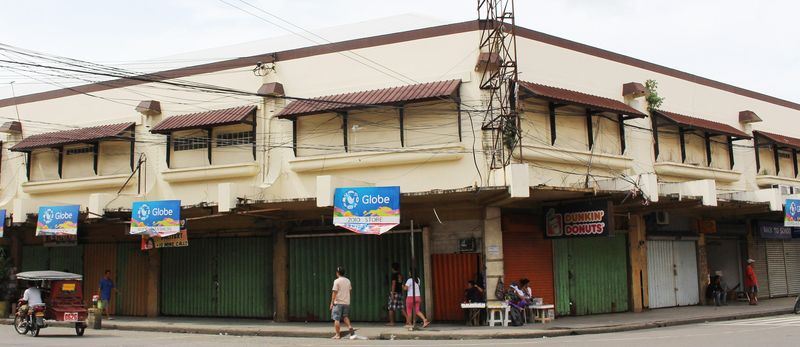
80,329
20,326
797,305
35,331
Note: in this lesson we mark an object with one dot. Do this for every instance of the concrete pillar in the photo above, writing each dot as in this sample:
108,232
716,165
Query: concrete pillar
702,267
428,268
153,282
637,253
280,275
16,248
493,250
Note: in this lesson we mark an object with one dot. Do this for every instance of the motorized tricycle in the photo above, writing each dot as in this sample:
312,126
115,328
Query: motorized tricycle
62,299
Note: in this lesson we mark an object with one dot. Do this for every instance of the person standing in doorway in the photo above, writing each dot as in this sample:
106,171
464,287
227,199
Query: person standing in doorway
751,282
340,303
106,286
414,299
395,294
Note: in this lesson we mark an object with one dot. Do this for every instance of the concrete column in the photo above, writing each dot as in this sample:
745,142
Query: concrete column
702,267
153,282
16,248
493,250
280,275
426,264
637,253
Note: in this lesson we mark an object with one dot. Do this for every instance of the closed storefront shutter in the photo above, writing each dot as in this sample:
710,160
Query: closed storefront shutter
97,259
132,266
367,261
527,254
35,258
792,255
245,277
67,258
760,267
218,277
660,274
591,275
776,267
672,273
450,275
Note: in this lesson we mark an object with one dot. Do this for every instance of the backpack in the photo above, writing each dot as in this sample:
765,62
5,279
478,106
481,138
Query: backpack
500,291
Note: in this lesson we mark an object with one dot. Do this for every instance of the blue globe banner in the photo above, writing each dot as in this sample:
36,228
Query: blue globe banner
367,210
156,218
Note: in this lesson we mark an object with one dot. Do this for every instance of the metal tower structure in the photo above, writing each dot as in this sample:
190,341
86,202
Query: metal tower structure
498,62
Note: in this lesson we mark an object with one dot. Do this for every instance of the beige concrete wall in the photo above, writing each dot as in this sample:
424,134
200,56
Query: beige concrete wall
431,123
115,157
231,154
78,165
44,164
319,135
444,237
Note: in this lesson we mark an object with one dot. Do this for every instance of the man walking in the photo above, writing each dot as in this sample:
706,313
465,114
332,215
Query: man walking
751,282
106,286
340,302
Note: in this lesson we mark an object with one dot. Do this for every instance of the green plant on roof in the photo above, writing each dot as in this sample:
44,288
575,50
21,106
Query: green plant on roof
654,101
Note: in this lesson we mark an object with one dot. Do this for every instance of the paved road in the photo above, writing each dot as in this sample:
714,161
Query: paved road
771,331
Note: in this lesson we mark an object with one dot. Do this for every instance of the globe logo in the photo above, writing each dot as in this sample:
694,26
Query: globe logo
350,200
143,212
47,217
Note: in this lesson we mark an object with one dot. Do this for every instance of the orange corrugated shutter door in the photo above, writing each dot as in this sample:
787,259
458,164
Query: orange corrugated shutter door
450,275
527,254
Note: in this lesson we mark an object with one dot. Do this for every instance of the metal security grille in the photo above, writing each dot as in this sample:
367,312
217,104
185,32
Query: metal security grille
80,150
235,139
189,143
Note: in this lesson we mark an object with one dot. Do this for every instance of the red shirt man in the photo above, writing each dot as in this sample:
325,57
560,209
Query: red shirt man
751,282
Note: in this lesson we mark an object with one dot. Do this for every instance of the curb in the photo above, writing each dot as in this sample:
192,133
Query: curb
515,334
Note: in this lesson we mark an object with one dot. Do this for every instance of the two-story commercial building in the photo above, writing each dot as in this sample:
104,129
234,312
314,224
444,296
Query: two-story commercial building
680,192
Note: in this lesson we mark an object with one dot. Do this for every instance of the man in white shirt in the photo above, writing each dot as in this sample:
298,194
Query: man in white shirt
340,303
33,297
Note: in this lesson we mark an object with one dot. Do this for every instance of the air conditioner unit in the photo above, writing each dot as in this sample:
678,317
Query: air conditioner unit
662,217
784,189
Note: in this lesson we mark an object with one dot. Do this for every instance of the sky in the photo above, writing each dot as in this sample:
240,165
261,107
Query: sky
750,44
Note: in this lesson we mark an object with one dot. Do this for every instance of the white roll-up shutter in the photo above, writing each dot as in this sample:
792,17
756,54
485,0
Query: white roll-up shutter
776,267
686,282
791,250
660,274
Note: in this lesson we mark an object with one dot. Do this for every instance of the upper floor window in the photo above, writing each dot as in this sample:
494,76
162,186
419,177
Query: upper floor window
190,143
234,139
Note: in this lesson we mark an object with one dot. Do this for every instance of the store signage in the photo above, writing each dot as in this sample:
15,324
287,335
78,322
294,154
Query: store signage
774,231
180,239
156,218
589,218
791,215
58,220
3,219
367,210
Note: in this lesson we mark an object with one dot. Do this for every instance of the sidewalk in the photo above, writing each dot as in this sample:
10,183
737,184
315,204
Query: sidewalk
562,326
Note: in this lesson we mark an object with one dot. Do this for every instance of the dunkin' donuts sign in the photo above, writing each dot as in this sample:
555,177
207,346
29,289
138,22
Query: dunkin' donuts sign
589,218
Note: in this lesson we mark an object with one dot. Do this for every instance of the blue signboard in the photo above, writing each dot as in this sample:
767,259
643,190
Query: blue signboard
156,218
58,220
774,231
792,213
367,210
2,219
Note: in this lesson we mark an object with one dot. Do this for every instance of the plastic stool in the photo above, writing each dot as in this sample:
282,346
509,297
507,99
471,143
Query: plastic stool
497,314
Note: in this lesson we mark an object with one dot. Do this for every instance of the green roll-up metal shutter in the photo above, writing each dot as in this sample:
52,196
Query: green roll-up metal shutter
187,279
34,258
367,261
218,277
245,276
131,279
69,259
592,274
37,258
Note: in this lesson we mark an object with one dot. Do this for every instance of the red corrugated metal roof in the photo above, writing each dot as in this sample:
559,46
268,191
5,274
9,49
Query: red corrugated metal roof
577,98
699,123
342,102
66,137
206,119
780,139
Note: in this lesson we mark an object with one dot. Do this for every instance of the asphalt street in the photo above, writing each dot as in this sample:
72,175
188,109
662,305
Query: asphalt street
770,331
